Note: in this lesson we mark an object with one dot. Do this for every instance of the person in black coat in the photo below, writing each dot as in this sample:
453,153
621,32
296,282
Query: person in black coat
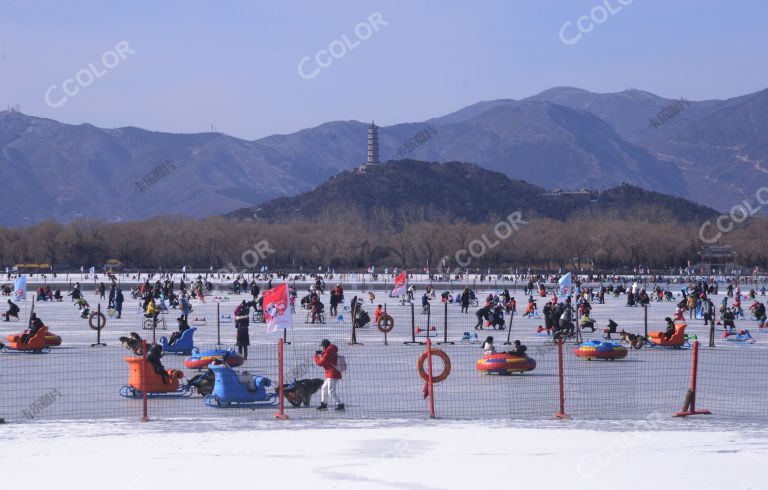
465,301
153,357
518,349
13,311
183,326
119,302
334,302
482,314
497,319
243,338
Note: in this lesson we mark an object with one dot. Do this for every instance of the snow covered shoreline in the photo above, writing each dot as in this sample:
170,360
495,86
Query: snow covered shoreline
372,455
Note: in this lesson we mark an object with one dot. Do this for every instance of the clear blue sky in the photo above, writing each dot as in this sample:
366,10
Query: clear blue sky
235,63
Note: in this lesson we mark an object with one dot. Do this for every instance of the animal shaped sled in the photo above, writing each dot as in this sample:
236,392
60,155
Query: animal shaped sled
183,345
677,341
230,391
37,344
144,379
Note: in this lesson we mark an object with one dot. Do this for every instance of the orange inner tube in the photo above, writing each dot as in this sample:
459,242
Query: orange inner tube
385,323
446,371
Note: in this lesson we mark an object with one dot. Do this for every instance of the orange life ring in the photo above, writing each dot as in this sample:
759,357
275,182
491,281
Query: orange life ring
385,323
101,323
446,360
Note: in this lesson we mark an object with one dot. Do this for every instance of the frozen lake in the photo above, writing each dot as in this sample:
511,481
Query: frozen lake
382,381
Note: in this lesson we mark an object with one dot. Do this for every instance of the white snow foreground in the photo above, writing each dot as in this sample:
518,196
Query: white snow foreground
381,455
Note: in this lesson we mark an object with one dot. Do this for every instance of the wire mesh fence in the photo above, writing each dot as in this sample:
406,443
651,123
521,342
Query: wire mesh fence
78,380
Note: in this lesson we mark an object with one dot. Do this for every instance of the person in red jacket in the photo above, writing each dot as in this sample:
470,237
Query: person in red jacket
327,359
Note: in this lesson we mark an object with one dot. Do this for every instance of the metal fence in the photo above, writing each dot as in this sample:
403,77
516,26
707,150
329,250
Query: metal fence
78,380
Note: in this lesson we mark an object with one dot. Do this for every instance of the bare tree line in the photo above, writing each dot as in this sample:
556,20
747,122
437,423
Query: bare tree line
346,240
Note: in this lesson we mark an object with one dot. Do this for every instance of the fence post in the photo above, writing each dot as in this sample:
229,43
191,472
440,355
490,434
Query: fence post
445,325
281,414
145,415
154,325
561,414
413,329
712,328
645,320
353,339
218,324
509,331
689,405
430,382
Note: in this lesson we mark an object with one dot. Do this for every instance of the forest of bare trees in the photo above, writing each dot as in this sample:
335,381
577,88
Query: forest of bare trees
346,241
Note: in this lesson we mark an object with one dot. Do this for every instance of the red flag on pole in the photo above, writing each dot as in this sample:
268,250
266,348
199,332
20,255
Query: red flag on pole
401,284
277,311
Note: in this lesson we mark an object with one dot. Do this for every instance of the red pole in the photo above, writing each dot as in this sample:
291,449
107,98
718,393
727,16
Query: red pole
281,414
561,414
430,382
691,410
145,417
694,371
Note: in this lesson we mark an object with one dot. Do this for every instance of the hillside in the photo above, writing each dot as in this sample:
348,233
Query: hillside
461,191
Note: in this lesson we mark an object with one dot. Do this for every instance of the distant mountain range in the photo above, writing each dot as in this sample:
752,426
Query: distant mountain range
463,191
712,152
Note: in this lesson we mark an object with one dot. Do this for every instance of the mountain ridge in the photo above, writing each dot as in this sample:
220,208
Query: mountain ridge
711,151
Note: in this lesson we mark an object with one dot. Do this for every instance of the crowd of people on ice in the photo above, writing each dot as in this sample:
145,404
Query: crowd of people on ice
559,315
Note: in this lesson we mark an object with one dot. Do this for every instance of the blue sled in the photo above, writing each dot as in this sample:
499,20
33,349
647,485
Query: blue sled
229,391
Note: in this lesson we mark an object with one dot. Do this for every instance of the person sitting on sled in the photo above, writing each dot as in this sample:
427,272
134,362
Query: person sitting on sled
630,299
13,311
518,349
317,308
153,357
488,347
497,318
612,326
81,303
586,322
670,330
183,327
248,380
362,318
151,310
566,323
729,319
35,324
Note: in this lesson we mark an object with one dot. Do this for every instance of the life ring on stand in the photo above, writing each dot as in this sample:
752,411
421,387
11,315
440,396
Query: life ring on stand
385,323
446,361
101,323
